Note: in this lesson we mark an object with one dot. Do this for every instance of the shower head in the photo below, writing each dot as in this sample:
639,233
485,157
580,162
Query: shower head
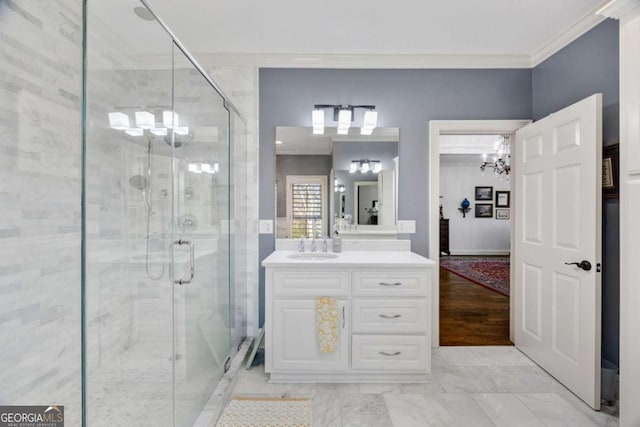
178,139
139,182
143,13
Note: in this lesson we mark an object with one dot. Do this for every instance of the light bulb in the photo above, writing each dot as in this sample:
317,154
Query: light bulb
119,121
145,120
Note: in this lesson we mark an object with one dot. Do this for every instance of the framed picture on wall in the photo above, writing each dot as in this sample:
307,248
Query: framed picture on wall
503,213
503,199
610,171
484,210
484,193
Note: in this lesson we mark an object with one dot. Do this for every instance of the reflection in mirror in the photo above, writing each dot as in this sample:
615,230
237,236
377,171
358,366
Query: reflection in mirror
336,182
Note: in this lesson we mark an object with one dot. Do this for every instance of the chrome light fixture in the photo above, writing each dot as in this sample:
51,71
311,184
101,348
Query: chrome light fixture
343,114
501,163
146,120
365,165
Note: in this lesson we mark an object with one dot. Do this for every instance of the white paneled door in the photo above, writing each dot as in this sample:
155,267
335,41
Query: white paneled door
557,282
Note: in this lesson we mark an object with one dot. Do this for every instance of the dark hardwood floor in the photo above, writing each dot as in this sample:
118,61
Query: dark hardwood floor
471,314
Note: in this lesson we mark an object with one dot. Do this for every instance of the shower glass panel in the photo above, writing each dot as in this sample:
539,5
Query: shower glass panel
157,212
201,206
128,286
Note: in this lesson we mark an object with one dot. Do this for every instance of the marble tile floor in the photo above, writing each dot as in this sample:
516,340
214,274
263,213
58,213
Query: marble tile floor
468,386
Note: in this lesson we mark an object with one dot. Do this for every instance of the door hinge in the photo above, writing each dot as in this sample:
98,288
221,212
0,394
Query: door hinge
598,267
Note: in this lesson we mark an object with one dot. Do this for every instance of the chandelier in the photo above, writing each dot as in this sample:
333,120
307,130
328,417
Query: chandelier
501,160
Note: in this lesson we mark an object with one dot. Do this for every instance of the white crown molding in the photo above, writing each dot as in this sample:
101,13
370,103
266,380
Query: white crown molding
620,9
279,60
606,9
571,33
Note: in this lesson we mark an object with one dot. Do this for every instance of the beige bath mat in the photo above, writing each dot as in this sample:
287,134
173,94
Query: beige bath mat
266,411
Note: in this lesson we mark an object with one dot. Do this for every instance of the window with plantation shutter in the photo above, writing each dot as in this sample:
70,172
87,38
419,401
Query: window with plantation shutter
307,206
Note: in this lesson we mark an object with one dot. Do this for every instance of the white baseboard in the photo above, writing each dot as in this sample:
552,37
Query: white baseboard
480,252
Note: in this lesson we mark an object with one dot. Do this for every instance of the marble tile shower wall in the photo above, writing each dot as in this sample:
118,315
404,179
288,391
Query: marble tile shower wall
40,181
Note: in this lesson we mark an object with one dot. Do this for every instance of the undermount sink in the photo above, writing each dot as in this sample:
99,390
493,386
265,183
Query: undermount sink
313,256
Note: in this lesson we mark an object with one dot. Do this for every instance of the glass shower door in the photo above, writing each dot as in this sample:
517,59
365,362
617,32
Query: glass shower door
201,236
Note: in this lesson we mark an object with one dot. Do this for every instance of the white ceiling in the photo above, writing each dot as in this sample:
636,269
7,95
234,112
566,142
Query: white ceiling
365,27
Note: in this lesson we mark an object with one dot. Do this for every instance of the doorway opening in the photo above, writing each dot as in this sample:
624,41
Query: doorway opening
438,131
475,235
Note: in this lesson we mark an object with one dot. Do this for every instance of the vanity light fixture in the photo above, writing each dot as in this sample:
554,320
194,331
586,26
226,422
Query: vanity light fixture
365,165
119,121
145,120
200,167
278,142
343,114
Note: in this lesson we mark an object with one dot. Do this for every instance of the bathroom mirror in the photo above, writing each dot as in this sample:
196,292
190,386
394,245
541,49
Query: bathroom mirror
330,181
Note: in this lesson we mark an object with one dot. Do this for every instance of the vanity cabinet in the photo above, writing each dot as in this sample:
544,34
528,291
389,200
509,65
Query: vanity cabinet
383,323
294,339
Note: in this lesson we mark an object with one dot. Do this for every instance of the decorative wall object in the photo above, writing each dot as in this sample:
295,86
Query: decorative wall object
484,193
464,207
503,199
484,210
503,213
610,162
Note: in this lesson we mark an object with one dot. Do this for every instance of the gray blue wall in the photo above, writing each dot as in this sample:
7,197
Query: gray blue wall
587,66
407,99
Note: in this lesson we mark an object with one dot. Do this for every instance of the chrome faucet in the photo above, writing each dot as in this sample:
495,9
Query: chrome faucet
301,244
324,244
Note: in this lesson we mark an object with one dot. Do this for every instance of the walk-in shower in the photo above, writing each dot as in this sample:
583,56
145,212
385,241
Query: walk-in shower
161,300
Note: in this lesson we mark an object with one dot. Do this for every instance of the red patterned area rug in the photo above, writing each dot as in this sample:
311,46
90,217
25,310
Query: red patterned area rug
492,272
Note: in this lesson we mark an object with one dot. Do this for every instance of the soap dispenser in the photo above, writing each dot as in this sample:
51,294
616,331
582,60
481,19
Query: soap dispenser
337,242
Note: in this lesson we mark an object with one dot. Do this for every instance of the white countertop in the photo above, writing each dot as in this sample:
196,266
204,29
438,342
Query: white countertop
352,259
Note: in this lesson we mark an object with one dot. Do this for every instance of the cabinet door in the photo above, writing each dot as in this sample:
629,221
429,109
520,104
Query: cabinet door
295,344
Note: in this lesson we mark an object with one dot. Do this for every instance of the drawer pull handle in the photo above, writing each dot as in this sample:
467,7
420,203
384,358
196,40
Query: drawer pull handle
389,284
386,316
384,353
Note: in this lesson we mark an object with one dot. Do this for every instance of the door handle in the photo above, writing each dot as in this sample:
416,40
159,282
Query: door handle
584,264
192,261
344,318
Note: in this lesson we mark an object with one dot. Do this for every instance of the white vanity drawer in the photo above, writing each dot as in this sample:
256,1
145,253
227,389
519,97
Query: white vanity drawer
310,283
385,283
390,315
390,352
